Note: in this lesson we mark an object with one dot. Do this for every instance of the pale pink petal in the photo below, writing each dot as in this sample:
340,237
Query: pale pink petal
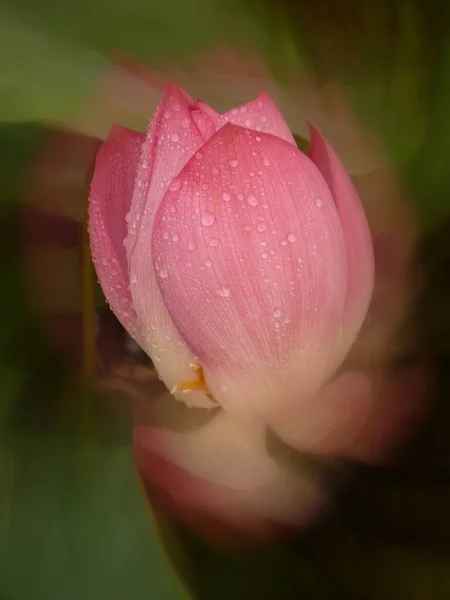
173,138
261,114
250,259
333,420
357,237
223,468
359,416
109,202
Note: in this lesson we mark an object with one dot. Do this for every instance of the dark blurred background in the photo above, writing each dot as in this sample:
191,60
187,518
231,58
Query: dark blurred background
74,520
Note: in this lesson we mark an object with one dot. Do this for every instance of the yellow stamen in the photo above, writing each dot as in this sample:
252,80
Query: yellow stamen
194,385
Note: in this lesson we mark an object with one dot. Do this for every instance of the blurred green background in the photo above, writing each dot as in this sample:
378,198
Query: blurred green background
73,520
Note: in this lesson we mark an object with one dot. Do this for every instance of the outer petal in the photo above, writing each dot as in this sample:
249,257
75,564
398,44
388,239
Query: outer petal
177,131
222,469
261,114
359,415
357,237
251,263
109,202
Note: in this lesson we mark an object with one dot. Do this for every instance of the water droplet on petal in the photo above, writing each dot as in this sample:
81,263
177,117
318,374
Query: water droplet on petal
319,202
226,196
276,312
162,273
248,123
167,114
247,227
252,200
292,238
175,237
174,185
234,111
261,227
191,245
207,218
224,292
266,162
175,137
213,242
185,123
263,118
234,163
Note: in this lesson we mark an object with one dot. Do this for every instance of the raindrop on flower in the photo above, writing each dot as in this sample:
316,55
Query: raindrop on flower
224,292
207,218
174,185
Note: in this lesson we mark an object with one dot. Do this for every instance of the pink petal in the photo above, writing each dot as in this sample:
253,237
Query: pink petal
206,108
223,468
359,416
261,114
204,123
251,263
333,420
357,237
173,138
109,202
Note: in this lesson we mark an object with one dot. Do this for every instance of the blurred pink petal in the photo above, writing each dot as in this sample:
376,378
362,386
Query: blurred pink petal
359,417
110,200
251,263
358,243
223,469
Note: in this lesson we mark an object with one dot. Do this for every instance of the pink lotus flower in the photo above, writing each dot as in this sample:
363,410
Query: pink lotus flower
219,244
